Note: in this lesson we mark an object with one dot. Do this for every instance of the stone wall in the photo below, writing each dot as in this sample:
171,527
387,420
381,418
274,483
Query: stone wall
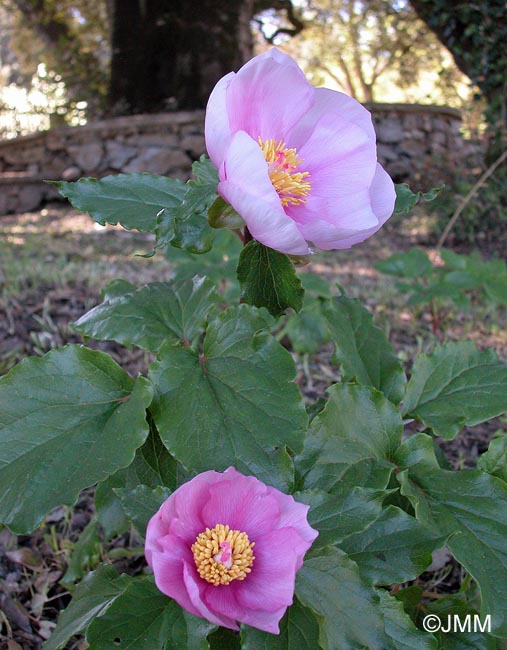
417,143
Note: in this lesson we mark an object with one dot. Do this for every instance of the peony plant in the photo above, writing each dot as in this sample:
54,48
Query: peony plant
260,521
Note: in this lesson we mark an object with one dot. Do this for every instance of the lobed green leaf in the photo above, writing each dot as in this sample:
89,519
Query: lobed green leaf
406,199
234,404
350,618
352,440
132,200
362,349
466,507
67,420
393,549
456,386
154,313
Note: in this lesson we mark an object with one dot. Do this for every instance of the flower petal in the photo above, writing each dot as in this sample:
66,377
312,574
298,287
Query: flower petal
266,621
181,512
196,588
382,194
374,209
294,514
168,572
216,125
268,95
245,185
223,600
336,105
270,585
243,504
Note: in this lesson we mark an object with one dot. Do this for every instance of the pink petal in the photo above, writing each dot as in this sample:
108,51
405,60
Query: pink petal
266,621
342,149
294,514
374,210
382,194
216,126
223,602
268,96
183,509
270,585
157,529
335,105
168,573
243,504
196,588
246,186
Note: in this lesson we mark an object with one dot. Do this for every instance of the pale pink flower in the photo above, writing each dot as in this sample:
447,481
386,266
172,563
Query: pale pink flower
298,163
227,548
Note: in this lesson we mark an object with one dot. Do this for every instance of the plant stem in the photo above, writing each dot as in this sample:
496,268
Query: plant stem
469,196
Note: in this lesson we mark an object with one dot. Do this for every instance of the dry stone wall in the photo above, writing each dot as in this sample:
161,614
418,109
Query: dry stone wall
417,143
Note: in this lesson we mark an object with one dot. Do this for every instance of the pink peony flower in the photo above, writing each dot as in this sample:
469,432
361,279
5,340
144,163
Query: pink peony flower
227,547
298,163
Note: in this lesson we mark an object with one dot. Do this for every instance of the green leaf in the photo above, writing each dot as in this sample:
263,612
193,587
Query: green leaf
406,199
223,215
142,618
399,627
348,608
67,420
456,386
108,509
453,260
219,264
153,466
141,503
91,598
224,639
413,264
343,513
494,461
466,507
133,200
85,555
357,424
308,330
152,314
317,286
189,225
234,404
299,630
268,279
363,350
395,548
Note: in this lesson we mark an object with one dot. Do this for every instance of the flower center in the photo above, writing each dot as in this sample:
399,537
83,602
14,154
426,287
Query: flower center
292,186
222,555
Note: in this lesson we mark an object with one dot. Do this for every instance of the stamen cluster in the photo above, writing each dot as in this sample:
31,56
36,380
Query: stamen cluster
222,555
292,187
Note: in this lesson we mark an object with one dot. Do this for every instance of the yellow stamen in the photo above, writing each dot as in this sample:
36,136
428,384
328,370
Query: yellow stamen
292,186
222,555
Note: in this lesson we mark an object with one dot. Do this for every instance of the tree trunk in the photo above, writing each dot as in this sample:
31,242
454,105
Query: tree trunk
169,54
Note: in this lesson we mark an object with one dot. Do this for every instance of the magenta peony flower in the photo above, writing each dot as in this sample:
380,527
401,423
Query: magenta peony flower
227,547
298,163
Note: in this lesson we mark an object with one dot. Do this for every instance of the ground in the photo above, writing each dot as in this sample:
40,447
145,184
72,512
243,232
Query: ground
53,264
